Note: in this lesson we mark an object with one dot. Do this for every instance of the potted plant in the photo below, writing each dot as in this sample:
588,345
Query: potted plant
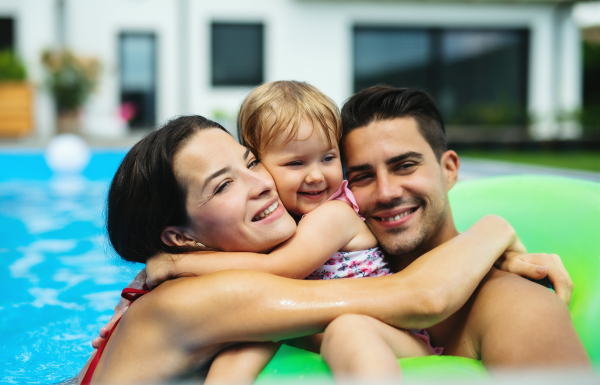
16,96
71,79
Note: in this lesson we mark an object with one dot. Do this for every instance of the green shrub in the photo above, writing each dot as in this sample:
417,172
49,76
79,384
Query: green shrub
11,67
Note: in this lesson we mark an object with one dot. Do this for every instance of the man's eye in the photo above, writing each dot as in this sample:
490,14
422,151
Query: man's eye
405,166
358,178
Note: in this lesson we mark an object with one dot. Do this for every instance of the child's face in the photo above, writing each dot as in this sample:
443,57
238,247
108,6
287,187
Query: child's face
306,170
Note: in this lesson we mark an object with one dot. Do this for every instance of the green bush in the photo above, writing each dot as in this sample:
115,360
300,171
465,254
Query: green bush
11,67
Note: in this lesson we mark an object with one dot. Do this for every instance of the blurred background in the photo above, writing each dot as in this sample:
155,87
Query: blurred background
517,73
517,81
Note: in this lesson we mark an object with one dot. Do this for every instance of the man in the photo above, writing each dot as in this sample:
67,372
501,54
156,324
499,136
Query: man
400,172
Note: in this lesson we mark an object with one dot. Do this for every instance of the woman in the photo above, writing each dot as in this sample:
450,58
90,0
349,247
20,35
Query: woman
192,180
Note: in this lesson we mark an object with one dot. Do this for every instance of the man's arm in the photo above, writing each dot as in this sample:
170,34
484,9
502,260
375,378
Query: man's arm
512,323
525,325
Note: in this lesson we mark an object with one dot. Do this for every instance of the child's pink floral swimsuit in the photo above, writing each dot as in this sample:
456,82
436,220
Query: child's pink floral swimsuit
361,263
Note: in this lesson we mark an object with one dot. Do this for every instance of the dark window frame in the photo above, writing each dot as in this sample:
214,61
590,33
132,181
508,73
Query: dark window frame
216,55
150,119
8,32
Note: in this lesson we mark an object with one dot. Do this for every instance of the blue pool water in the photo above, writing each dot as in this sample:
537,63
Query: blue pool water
59,277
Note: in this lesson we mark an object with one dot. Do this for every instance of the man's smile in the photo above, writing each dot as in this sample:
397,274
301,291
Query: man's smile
396,217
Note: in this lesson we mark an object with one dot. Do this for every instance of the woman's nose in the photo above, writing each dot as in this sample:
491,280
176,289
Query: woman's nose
261,183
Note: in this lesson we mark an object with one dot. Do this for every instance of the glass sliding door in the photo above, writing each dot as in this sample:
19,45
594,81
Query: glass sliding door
478,77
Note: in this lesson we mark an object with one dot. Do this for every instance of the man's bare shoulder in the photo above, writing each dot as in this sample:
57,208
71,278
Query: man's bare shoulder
516,322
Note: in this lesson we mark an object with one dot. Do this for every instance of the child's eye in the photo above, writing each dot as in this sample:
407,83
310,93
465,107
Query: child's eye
294,163
328,158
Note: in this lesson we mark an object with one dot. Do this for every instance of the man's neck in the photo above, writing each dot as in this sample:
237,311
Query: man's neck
447,232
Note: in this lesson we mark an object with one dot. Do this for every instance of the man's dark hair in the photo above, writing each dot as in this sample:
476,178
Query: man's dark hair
385,103
145,196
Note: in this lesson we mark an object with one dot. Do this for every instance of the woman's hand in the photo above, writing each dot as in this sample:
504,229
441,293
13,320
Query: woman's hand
537,266
137,283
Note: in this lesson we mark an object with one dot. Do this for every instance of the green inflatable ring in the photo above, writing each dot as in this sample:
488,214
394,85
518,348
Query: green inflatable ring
551,215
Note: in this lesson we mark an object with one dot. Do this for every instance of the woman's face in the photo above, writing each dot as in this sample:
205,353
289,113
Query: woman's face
231,198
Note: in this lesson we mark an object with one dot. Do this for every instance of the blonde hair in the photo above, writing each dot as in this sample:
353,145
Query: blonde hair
275,107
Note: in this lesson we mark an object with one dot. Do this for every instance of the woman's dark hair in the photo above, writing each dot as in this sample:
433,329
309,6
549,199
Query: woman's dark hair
385,103
145,196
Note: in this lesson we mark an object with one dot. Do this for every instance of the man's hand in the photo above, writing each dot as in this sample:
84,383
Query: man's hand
537,266
137,283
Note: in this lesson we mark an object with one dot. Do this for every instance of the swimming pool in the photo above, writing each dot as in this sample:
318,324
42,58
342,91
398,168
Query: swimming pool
59,275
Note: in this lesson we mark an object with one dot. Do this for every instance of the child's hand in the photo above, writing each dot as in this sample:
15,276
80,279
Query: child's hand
137,283
538,266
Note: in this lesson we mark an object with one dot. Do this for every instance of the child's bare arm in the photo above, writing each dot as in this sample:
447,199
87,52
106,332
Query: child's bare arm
319,235
241,363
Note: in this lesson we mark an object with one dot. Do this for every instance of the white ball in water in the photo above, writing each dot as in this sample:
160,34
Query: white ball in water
67,153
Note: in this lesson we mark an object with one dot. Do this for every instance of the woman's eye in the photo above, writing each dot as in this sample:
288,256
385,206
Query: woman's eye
222,187
254,163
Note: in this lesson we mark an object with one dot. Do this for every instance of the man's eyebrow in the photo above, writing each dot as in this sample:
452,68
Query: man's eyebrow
401,157
360,167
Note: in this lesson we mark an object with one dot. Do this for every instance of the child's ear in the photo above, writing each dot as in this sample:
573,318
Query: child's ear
450,164
176,236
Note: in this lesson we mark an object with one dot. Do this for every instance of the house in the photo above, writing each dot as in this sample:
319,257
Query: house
487,62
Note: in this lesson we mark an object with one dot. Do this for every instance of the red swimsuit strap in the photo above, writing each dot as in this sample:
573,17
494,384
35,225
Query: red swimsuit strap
130,295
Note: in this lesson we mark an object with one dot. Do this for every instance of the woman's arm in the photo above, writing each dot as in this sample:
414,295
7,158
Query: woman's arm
319,235
275,308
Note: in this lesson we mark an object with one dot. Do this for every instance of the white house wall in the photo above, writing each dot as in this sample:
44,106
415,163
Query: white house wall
304,40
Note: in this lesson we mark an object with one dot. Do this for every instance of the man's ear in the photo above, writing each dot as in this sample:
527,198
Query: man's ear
176,236
450,164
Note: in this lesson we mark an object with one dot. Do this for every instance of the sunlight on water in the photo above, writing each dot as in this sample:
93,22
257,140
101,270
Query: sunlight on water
59,275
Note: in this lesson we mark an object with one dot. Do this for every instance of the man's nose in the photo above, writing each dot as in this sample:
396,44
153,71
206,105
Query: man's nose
386,190
315,175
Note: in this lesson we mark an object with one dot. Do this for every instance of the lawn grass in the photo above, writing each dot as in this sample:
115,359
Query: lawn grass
578,160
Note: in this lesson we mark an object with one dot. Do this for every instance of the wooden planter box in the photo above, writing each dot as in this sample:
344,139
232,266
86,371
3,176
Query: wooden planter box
16,109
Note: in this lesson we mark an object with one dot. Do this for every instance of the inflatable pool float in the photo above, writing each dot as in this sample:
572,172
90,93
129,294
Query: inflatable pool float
551,215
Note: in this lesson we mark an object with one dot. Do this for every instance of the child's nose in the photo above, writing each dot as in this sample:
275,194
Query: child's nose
315,176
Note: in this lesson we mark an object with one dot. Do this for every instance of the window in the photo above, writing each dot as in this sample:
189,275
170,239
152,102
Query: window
237,54
476,76
7,30
137,64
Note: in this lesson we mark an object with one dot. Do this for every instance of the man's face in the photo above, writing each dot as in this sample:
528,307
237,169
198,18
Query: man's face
400,186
